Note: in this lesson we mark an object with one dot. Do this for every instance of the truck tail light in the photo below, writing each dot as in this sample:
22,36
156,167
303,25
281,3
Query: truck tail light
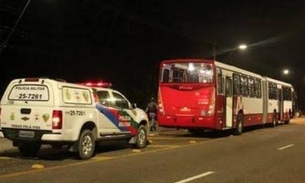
57,119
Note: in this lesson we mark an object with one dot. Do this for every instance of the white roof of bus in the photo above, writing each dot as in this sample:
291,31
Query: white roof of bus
277,81
236,69
233,68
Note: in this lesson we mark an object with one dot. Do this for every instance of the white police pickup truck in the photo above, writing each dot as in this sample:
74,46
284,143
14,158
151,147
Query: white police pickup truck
36,111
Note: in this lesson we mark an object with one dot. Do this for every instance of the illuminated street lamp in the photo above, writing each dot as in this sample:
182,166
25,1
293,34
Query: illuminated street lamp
242,47
228,52
286,71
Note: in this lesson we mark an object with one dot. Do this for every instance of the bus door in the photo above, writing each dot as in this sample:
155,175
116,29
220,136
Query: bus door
229,102
280,104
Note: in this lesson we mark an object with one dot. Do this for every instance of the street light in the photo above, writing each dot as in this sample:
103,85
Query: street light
229,51
286,71
242,47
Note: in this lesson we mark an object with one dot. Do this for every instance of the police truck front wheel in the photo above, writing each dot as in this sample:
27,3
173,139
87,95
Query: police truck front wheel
86,144
29,149
141,137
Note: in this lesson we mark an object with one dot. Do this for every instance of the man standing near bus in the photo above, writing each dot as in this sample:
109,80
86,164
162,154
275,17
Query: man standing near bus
151,111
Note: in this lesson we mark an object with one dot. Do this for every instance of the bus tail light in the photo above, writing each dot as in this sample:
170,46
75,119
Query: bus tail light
211,107
57,120
160,103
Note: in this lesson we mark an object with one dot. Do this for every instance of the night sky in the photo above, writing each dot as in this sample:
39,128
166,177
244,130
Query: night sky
123,42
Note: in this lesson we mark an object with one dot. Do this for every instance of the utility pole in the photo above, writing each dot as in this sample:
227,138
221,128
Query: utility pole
4,45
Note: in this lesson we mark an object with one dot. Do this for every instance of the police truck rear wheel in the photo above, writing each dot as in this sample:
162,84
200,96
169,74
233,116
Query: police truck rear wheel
86,145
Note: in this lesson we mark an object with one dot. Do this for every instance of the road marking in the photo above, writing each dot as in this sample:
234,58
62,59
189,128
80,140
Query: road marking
102,158
195,177
285,147
173,146
98,159
136,150
175,138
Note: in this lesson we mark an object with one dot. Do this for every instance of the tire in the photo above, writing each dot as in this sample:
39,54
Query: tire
86,145
239,125
141,138
29,149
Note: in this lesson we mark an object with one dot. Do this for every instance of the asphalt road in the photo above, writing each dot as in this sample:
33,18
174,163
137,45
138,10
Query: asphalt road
174,156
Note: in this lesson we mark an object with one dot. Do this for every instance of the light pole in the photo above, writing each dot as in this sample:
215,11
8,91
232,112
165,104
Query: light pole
4,45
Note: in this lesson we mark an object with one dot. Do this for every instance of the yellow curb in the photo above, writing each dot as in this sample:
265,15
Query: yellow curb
37,166
193,141
136,151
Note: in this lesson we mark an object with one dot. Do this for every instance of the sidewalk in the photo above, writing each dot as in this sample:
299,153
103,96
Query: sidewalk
5,144
298,120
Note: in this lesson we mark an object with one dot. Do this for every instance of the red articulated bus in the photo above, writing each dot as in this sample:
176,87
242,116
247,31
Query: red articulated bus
199,94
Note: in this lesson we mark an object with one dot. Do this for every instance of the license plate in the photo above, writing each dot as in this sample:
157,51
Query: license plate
26,134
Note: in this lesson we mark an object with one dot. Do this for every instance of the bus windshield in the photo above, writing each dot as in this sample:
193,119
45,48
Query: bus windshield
187,72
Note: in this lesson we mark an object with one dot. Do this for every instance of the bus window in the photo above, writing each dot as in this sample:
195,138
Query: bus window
287,94
187,73
244,86
251,87
272,91
258,93
236,83
177,76
219,81
165,76
228,87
